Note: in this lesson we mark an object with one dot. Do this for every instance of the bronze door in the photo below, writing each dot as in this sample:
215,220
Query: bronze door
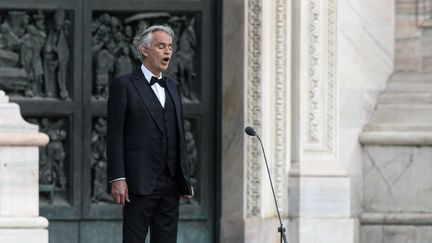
57,58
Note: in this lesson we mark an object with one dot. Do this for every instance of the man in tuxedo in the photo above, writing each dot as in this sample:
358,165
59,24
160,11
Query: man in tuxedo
147,165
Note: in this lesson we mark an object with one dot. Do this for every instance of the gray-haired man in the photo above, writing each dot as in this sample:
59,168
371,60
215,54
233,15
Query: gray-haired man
147,165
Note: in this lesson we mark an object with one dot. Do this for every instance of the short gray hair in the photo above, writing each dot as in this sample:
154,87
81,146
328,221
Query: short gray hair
144,37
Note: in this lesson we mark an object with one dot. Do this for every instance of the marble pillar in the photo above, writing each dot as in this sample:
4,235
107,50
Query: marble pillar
255,92
396,170
233,122
319,186
19,177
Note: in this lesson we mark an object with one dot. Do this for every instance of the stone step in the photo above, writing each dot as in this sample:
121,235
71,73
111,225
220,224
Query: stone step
392,138
400,97
402,114
396,218
404,107
409,86
410,82
397,127
411,77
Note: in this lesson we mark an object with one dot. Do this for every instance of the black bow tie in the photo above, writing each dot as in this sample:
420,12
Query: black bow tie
161,82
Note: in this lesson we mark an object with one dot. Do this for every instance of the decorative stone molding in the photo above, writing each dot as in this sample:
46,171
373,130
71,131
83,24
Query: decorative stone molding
23,222
319,110
253,102
331,77
281,104
396,218
386,138
314,75
22,139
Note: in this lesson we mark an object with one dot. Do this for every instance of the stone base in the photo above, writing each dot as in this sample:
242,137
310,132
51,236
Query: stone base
320,208
319,197
24,235
23,229
396,227
251,230
397,179
232,230
260,230
313,230
396,233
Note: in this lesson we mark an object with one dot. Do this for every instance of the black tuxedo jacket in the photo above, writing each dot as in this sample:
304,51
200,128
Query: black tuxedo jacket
134,135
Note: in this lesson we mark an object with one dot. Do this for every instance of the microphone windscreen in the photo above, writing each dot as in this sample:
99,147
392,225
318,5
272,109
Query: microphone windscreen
250,131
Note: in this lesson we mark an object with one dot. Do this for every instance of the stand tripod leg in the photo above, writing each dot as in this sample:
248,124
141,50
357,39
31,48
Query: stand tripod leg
282,230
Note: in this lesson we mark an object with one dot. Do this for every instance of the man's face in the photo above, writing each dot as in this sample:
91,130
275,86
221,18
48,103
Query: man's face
158,54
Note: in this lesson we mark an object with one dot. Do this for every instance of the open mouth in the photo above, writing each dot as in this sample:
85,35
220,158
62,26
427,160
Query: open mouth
166,59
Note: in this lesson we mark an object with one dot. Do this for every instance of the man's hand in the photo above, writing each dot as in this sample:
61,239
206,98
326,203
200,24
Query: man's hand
188,196
119,192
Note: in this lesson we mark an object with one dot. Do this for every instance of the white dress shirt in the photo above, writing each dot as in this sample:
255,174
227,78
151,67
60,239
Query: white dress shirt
157,89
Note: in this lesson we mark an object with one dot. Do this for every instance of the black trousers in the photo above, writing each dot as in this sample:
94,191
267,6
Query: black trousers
158,211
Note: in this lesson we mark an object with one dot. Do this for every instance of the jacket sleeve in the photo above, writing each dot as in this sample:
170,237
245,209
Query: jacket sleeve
117,106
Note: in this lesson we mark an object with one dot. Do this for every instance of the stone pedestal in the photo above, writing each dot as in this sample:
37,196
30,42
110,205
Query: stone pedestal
324,230
397,194
320,208
19,173
396,170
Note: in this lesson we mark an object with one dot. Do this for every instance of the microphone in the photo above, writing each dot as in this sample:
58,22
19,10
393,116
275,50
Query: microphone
281,229
250,131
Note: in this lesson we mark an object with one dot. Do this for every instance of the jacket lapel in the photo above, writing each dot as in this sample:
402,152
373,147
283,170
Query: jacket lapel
145,92
175,97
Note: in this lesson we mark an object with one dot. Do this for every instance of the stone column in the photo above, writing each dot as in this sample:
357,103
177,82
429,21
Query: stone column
319,188
19,173
233,122
255,92
397,148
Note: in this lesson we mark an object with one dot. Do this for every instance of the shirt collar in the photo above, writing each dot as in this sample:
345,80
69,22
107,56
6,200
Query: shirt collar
147,74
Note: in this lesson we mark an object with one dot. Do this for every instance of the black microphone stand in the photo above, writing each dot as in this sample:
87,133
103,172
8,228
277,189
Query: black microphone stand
281,229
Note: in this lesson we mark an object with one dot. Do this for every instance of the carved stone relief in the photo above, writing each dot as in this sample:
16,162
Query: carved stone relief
331,101
53,179
114,55
253,157
99,192
192,151
314,73
321,127
281,100
34,53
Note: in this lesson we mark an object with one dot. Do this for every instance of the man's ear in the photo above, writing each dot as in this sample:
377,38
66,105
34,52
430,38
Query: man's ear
144,51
